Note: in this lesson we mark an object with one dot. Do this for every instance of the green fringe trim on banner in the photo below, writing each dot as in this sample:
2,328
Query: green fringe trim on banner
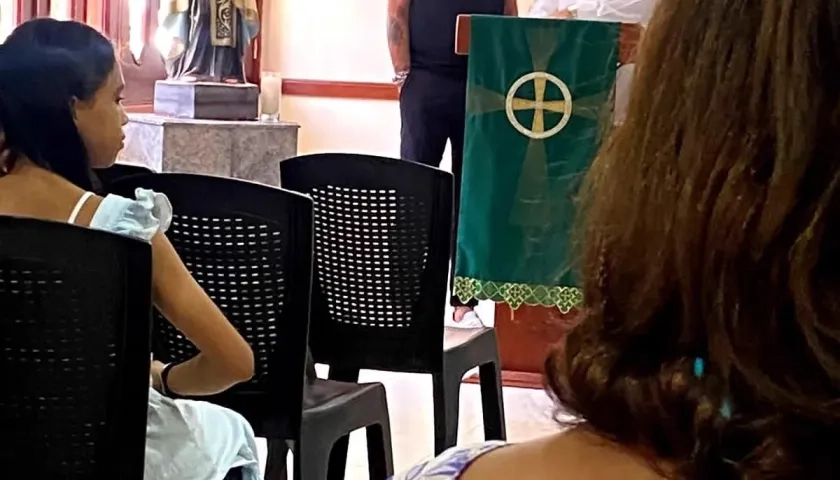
565,299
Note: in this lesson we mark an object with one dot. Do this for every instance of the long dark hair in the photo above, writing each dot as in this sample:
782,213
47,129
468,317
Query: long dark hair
710,235
45,65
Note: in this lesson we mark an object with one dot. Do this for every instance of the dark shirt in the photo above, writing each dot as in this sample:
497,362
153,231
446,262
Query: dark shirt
431,26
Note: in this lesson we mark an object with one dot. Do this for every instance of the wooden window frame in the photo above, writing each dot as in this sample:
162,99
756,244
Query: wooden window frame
111,17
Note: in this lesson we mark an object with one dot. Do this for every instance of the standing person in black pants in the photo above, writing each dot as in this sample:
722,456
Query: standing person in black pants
433,87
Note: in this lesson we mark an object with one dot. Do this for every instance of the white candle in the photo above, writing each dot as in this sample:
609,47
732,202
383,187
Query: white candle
270,87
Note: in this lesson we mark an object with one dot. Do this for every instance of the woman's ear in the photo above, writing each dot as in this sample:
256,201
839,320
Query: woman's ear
74,104
5,155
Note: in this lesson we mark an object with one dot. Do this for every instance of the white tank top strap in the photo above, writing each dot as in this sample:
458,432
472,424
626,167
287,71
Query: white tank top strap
78,208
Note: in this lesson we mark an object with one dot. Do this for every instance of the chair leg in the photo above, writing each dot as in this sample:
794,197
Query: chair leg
447,398
492,401
344,374
311,458
380,454
234,474
337,463
275,466
338,455
311,374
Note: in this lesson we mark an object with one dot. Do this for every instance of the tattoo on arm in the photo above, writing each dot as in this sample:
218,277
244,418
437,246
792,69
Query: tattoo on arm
398,34
396,31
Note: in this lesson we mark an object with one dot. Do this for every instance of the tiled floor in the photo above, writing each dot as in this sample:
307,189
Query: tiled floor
528,415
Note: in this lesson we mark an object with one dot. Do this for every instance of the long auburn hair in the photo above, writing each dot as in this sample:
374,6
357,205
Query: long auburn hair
710,229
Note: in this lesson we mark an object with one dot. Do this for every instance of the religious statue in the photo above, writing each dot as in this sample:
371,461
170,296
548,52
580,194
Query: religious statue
210,38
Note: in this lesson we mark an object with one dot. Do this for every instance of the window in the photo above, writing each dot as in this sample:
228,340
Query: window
133,27
143,28
61,9
7,18
137,14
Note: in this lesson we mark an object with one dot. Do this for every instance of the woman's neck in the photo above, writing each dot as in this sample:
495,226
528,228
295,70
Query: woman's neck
23,167
16,165
644,456
26,175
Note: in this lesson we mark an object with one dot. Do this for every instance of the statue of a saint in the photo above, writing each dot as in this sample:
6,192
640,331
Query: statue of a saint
210,38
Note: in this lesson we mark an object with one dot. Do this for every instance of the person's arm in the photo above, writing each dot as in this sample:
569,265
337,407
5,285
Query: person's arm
398,43
511,8
225,359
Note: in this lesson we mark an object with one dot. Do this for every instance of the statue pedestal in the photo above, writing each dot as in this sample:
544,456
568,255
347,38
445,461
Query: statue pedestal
207,100
246,150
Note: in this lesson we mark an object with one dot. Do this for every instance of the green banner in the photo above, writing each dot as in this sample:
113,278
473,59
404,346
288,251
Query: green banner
539,99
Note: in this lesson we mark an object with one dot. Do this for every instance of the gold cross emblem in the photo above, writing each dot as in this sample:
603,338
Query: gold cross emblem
539,105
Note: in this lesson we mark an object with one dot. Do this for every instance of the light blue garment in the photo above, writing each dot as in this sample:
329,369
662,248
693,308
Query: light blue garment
188,440
185,440
451,464
140,219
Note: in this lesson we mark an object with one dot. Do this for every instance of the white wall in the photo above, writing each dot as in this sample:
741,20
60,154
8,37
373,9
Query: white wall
329,125
343,40
333,40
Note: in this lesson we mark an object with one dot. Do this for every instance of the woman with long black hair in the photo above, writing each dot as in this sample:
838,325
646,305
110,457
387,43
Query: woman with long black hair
60,117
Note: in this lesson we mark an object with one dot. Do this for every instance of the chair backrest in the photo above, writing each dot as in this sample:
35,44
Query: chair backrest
118,171
382,244
250,247
75,329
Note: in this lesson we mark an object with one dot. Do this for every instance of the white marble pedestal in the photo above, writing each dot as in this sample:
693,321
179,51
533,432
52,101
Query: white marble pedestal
246,150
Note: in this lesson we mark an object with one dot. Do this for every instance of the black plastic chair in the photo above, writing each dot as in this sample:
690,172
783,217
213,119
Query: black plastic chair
250,248
75,330
382,244
118,171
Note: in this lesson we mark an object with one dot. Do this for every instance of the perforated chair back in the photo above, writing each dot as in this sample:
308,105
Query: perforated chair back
75,316
118,171
382,244
250,247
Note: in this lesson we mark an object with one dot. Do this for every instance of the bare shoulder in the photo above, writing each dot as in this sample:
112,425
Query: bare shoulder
88,209
40,194
514,461
575,454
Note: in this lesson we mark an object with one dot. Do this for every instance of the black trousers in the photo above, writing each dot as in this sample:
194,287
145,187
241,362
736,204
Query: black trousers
433,110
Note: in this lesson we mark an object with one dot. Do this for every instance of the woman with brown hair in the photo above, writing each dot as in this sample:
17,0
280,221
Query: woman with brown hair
710,238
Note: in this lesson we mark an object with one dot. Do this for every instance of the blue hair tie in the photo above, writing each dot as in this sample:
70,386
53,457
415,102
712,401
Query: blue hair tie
699,367
726,405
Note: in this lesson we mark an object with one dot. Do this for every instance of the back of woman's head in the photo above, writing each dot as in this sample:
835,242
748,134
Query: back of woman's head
46,67
710,242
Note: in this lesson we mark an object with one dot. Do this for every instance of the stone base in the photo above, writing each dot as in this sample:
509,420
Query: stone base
206,100
245,150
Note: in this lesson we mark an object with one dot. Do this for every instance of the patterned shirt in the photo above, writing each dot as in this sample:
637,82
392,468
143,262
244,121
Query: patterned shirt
451,464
